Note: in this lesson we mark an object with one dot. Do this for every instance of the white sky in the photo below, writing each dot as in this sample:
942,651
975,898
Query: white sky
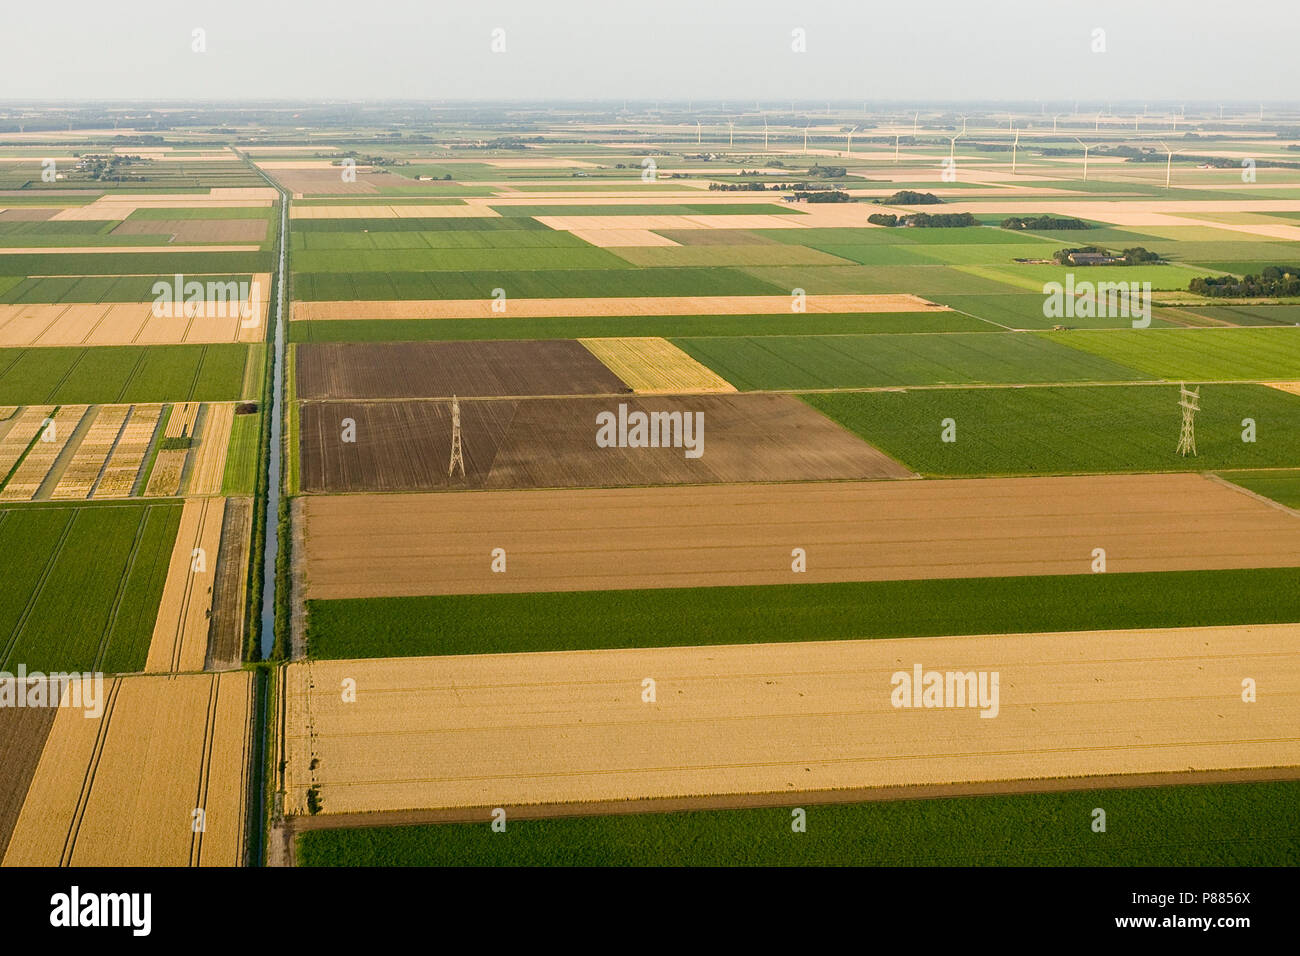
1027,50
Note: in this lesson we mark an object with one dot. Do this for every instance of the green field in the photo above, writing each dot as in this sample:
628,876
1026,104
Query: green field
132,263
856,361
523,284
1024,310
675,617
108,374
1247,824
667,326
519,259
241,457
1283,486
1012,431
94,288
1199,355
82,584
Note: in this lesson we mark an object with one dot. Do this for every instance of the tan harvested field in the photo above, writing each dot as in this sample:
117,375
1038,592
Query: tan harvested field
623,238
165,479
209,468
329,182
117,207
129,323
22,738
551,443
19,431
617,305
180,424
27,214
128,457
122,790
197,230
1292,388
612,539
553,728
373,370
180,633
78,480
31,474
655,366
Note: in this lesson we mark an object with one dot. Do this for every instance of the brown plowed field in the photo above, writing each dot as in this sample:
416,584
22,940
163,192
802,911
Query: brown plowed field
550,728
22,738
444,369
610,539
551,443
226,629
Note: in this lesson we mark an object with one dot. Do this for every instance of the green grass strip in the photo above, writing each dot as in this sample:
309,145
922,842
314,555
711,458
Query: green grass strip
1247,824
674,617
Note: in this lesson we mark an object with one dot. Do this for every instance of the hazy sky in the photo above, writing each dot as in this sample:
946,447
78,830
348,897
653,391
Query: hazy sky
660,49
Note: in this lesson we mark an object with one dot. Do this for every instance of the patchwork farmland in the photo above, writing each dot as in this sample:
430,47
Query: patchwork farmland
618,495
126,511
902,446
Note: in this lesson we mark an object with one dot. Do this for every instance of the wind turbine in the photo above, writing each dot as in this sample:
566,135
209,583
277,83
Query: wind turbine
1014,144
731,136
698,132
1135,123
805,140
915,117
1054,118
848,149
952,144
896,136
1086,147
1169,164
963,125
765,132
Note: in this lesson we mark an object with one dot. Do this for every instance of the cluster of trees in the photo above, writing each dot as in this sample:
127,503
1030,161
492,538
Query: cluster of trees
1129,257
825,195
742,187
906,197
924,220
110,169
818,171
1272,282
1043,222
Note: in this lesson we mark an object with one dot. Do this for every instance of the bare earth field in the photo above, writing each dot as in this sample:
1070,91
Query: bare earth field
554,728
629,305
122,789
444,369
611,539
551,443
22,738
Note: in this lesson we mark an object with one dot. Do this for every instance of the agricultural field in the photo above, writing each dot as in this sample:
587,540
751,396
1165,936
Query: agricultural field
550,443
613,539
500,411
1006,830
110,789
776,718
